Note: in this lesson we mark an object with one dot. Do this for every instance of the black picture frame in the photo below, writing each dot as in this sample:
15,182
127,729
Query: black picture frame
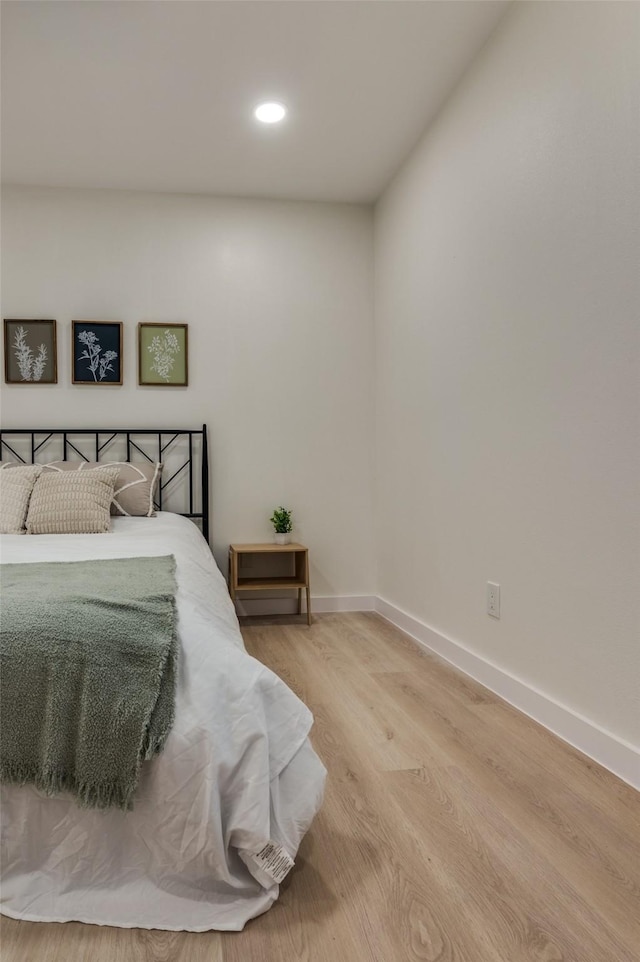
96,353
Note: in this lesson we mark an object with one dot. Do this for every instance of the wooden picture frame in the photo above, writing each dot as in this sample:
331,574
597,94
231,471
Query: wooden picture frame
163,355
30,352
96,352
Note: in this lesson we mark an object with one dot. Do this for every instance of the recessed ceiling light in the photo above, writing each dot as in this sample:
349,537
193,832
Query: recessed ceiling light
270,113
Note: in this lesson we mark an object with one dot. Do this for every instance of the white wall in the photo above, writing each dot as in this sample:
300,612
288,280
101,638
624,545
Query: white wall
278,298
507,301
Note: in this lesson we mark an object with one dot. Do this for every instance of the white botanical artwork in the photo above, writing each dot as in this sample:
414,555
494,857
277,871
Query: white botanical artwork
163,349
98,362
31,365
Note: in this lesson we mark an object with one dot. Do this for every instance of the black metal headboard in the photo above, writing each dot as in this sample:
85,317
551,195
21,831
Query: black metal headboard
184,487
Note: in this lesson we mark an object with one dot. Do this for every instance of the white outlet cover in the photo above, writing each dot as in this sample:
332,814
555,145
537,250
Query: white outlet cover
493,599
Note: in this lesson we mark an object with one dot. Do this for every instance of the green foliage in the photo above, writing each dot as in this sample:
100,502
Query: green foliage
281,520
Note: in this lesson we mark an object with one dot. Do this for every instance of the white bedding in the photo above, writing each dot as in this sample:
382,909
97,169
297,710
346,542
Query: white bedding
237,772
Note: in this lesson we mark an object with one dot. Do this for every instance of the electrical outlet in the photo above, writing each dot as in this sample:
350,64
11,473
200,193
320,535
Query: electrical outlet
493,599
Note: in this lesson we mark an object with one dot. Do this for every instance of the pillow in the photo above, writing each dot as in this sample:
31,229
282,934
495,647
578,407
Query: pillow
75,502
15,492
134,489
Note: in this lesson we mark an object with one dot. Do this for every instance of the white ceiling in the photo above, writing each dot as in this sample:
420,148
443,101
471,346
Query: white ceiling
158,95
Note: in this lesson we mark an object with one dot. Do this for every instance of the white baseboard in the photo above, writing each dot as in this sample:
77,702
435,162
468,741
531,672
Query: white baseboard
618,756
319,605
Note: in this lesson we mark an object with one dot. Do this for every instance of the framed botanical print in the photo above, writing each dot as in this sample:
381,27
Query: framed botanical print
163,357
30,354
96,352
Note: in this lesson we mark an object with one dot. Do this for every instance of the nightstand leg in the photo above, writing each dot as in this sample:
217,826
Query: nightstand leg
233,566
307,586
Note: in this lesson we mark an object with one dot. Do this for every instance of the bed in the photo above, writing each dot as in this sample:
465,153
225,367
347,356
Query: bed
220,813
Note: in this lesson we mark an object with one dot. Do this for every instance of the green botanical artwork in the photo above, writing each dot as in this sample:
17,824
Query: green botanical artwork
163,354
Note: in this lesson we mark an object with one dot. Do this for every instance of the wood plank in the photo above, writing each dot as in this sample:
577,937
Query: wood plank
267,548
275,581
74,942
454,828
520,779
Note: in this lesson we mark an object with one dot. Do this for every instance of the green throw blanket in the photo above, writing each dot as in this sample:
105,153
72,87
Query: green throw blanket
87,674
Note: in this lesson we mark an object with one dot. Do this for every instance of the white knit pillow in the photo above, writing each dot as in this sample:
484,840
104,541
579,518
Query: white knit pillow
15,492
74,502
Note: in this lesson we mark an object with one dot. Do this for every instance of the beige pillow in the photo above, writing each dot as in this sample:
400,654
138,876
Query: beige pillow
135,488
15,492
75,502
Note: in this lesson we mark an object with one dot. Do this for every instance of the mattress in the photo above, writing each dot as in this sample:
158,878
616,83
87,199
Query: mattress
218,816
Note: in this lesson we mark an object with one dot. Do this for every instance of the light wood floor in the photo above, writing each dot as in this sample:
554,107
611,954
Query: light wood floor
453,828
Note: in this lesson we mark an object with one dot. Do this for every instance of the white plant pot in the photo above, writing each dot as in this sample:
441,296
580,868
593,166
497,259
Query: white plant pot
282,538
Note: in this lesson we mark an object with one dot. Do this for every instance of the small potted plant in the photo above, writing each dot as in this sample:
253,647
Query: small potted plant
281,521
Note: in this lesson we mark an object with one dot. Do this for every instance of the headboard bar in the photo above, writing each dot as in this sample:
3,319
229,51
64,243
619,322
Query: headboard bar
31,444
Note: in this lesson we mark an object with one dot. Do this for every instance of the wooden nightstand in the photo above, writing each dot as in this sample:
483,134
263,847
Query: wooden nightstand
299,578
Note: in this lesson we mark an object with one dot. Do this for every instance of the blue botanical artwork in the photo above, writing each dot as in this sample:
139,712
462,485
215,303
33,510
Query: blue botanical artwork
97,352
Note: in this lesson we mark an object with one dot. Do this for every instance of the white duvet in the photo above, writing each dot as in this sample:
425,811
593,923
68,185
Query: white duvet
237,773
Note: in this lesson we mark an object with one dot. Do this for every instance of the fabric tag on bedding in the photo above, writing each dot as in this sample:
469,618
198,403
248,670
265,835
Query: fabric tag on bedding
274,860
